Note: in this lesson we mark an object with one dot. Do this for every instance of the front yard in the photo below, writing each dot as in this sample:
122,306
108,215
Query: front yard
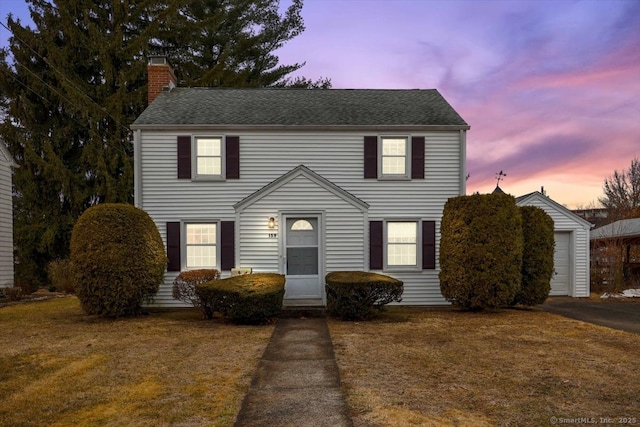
423,367
513,367
59,367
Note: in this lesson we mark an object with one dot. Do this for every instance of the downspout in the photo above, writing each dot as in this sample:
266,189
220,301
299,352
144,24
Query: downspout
137,169
463,162
236,236
588,284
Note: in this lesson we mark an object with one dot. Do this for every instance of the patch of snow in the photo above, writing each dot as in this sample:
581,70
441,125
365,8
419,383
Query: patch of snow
628,293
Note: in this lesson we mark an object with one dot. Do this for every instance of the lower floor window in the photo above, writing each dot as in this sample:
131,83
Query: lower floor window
402,243
201,244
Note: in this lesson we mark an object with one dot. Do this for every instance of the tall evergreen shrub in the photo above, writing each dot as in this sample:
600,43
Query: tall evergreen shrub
537,256
118,259
480,251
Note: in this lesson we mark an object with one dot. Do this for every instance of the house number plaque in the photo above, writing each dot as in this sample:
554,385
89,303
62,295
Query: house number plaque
273,235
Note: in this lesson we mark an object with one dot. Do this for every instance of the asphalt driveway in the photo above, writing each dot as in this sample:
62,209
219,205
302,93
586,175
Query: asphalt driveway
617,314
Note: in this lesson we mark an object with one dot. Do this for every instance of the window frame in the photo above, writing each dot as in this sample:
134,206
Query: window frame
385,245
185,245
407,158
194,159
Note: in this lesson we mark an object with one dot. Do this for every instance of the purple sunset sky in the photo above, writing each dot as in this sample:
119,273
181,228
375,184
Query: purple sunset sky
551,89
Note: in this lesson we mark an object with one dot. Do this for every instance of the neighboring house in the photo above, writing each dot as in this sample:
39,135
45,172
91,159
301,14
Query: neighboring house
299,182
571,258
596,216
624,230
6,217
623,237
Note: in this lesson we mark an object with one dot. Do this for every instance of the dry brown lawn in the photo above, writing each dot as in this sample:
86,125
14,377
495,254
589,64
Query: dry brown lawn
60,367
432,367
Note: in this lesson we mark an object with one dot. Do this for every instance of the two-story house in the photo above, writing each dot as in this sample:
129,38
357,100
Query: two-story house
299,182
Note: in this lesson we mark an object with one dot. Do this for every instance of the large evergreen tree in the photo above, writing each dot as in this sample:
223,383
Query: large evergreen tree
73,83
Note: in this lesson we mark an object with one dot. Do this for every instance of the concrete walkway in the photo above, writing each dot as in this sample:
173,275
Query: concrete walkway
297,382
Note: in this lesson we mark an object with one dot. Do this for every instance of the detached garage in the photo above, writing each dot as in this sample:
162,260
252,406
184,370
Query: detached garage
571,259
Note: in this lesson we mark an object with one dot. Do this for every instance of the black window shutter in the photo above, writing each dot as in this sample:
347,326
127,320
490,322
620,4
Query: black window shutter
375,245
371,157
428,245
227,245
233,157
173,246
184,157
417,157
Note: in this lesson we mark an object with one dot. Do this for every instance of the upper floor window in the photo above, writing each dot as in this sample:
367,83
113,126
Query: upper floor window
394,157
208,157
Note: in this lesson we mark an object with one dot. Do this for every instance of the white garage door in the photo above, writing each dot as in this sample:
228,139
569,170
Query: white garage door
561,263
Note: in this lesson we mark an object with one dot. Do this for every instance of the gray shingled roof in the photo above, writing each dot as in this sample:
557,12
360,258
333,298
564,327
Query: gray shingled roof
624,228
300,107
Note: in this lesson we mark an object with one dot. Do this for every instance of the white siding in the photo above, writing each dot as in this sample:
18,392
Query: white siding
565,221
336,156
6,225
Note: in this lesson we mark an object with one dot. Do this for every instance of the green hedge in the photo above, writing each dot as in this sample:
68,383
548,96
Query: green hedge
118,259
481,251
353,295
537,256
248,298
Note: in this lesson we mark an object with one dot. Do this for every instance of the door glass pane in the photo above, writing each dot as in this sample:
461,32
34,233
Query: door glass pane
299,233
302,261
301,224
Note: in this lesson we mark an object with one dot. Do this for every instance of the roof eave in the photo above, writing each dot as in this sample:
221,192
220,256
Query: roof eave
368,128
540,196
311,175
4,152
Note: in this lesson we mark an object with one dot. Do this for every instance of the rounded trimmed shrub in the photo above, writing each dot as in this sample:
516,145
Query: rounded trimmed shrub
537,256
353,295
118,259
247,298
480,251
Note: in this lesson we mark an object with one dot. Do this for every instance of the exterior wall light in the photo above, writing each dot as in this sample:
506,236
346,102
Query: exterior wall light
272,223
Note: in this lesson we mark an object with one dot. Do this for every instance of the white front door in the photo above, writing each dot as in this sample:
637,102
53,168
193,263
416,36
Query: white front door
302,257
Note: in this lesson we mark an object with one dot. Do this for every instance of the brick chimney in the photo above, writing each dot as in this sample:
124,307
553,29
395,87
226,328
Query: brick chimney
160,77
